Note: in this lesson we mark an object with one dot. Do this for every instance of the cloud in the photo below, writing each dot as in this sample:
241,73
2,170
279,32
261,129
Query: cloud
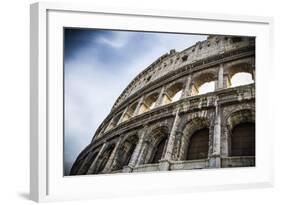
99,64
117,40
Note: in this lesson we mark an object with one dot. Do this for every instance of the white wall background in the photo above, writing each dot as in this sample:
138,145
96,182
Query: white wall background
14,101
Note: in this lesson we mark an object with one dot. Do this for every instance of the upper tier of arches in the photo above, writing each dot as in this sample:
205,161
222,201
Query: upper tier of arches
217,78
173,60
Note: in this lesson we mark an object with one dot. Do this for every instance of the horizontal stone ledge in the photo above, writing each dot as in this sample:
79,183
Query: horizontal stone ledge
225,96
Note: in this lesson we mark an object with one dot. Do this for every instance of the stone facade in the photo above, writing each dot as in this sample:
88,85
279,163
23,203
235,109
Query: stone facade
148,130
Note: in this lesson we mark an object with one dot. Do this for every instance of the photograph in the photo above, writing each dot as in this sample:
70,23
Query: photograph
147,101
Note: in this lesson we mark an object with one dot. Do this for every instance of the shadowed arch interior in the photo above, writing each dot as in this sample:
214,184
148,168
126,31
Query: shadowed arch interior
104,158
199,145
194,144
156,144
241,133
159,151
125,152
243,139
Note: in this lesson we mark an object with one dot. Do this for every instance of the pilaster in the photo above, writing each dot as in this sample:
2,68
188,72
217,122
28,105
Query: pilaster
110,161
136,154
92,167
187,88
171,143
215,157
138,107
160,97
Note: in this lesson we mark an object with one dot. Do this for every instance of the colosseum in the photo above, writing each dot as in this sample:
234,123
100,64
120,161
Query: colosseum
162,122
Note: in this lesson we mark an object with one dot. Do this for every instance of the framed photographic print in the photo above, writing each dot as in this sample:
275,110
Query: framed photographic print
128,102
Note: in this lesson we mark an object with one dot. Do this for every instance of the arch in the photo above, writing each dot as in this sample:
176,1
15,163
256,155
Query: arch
238,116
101,162
243,139
125,152
199,145
241,133
132,109
195,137
242,66
130,112
241,78
173,93
159,151
200,80
114,122
155,145
149,102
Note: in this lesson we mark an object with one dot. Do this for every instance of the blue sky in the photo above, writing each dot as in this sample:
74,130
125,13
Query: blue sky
98,65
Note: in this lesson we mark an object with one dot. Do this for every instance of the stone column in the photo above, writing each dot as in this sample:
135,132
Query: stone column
143,152
226,80
136,154
253,73
160,97
138,107
110,160
215,158
92,167
220,78
187,88
224,141
165,162
178,146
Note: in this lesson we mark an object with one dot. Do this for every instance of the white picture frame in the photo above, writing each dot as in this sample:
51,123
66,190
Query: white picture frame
47,182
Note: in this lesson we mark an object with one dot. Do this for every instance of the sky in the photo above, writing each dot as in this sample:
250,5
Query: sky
98,65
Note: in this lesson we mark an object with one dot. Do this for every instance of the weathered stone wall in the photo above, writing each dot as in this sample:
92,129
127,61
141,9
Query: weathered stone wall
145,115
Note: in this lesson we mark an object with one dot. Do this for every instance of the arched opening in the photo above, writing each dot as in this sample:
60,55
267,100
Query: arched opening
173,93
193,143
149,103
130,112
206,88
177,96
198,145
159,151
132,109
243,139
104,158
240,74
241,78
114,122
241,133
155,145
84,169
202,84
125,152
